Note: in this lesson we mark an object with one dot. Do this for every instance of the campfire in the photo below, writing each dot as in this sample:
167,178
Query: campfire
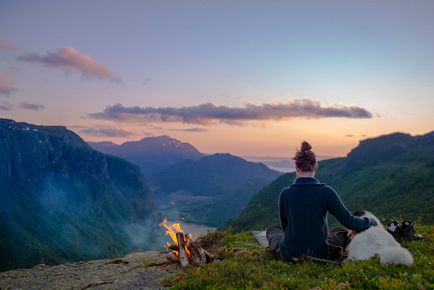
182,248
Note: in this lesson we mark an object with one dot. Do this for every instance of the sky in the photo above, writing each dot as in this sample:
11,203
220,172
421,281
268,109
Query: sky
253,78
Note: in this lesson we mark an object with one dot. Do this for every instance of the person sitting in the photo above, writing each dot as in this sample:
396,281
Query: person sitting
302,210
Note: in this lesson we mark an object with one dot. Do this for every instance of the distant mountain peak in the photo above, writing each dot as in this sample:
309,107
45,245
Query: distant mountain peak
385,147
152,138
394,135
222,155
159,137
430,134
62,133
165,141
4,121
152,154
10,122
103,143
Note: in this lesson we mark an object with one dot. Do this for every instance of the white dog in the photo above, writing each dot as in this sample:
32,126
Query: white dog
376,240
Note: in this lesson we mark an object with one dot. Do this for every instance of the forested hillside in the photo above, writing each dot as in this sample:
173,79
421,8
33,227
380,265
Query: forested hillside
62,201
210,190
391,175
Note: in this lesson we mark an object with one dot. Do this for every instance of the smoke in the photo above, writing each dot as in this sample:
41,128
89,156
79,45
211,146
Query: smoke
139,234
86,226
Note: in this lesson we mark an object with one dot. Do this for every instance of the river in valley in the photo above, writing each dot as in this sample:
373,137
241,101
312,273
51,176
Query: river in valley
195,230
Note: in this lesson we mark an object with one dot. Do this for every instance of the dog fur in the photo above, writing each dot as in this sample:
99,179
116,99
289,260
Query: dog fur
376,240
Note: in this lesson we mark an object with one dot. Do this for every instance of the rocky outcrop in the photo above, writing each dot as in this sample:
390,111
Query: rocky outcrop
142,270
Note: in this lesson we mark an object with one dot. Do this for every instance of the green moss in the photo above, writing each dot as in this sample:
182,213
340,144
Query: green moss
243,264
145,262
244,240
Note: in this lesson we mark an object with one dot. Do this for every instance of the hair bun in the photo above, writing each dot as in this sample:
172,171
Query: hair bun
305,146
305,158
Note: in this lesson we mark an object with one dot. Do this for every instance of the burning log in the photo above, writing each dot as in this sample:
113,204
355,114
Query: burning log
184,250
173,247
171,256
198,257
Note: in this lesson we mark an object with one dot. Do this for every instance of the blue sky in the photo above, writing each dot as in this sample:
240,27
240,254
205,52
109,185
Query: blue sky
376,55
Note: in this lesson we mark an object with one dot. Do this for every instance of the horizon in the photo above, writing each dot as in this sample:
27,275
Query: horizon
247,157
251,78
277,157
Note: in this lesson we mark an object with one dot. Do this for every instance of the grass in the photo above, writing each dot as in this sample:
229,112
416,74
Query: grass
242,264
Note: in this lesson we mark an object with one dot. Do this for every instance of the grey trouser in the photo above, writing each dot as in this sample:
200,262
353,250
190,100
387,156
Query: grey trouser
337,241
274,236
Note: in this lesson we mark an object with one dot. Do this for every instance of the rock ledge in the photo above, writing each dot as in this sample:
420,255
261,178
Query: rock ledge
142,270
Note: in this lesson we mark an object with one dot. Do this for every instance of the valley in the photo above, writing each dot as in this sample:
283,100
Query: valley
206,189
59,194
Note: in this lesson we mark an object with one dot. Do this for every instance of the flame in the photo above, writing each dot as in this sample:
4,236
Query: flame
171,232
185,247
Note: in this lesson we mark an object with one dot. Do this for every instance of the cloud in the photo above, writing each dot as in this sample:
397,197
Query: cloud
349,135
68,58
6,85
195,129
31,106
208,114
5,106
5,44
105,131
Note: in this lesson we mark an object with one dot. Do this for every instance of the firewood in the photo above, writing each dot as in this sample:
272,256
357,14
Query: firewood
183,259
198,257
172,257
209,257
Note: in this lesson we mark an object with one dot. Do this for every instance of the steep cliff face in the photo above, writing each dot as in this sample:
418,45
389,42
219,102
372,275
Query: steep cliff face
60,200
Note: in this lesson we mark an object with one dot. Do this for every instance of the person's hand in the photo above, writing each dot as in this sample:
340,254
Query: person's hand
372,222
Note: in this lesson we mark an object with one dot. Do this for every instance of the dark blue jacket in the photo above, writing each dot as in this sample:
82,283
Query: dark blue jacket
302,210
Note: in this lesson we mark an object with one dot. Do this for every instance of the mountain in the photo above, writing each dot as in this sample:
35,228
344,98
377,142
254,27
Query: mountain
390,175
282,164
61,201
205,189
210,190
152,154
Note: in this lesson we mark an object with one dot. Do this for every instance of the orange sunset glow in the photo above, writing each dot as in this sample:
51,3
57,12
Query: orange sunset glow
252,88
